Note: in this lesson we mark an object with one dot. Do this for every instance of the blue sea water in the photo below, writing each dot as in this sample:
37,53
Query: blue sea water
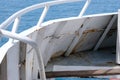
8,7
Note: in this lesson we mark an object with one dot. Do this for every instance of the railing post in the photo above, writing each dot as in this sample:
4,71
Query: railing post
84,8
118,40
43,15
15,27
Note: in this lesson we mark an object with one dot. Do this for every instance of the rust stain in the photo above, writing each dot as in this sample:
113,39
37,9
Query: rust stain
77,33
57,54
84,36
92,30
52,37
80,42
22,64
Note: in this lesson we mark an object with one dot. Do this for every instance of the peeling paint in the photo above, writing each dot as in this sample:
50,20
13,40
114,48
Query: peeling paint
77,33
81,26
22,63
52,37
80,42
92,30
84,37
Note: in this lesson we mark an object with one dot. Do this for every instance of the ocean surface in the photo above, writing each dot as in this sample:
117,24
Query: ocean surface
8,7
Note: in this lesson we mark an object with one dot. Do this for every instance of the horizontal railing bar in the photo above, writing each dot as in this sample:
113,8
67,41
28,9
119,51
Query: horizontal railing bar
30,8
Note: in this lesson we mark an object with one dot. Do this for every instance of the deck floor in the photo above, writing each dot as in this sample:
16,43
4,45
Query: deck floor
87,58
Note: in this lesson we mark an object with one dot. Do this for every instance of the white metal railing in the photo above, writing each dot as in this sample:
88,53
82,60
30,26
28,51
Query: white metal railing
16,19
30,42
41,5
84,8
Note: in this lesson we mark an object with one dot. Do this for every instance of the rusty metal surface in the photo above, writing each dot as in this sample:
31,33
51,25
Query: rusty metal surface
55,38
83,73
94,31
88,40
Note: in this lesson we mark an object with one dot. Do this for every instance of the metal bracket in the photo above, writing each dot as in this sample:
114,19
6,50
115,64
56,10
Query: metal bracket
105,32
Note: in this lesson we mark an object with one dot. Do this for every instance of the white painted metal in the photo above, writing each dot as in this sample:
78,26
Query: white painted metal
4,50
33,44
15,26
25,39
84,8
43,15
118,40
32,67
7,46
76,38
105,32
46,35
95,27
29,63
6,23
35,68
76,68
12,63
52,34
57,36
54,38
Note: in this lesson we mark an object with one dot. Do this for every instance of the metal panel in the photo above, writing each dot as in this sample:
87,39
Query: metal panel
91,35
105,32
3,69
56,37
12,63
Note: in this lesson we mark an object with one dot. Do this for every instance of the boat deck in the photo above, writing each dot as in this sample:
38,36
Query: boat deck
88,60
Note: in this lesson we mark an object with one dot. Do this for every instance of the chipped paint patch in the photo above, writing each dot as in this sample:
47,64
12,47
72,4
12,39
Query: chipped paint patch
92,30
